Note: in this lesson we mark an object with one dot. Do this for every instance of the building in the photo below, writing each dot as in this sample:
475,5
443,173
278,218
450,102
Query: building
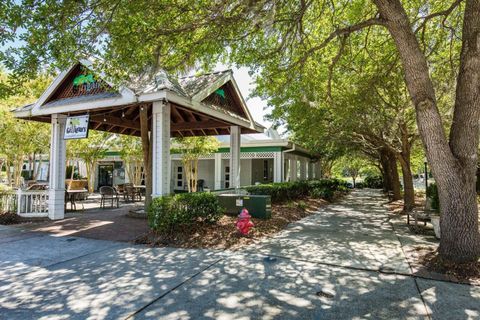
264,158
160,107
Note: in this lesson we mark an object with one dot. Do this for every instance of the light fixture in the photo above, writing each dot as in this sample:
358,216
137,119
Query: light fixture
104,119
123,114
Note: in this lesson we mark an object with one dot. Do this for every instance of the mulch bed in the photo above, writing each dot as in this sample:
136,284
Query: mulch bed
224,235
426,259
455,272
10,218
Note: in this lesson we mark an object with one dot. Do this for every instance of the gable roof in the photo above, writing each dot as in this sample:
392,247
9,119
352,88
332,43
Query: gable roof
192,92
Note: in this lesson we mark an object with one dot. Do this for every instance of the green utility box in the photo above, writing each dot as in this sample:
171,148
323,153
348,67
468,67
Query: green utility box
258,206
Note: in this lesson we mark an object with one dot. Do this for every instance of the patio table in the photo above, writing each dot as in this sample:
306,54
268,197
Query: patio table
140,190
72,198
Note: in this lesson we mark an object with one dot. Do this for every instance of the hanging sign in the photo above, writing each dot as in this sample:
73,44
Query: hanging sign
76,127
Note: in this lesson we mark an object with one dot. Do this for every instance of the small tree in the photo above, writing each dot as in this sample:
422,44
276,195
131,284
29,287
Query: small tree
131,153
191,149
90,150
352,166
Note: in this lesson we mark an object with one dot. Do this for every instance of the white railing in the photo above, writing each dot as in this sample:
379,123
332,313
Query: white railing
32,203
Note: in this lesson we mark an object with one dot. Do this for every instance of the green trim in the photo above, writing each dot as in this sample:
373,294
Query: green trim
112,153
251,149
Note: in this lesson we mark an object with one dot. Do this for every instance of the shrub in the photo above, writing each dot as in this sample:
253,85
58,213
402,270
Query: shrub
168,213
360,185
432,193
281,191
374,182
287,191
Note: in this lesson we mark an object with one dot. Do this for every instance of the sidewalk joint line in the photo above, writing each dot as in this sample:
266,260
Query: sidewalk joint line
132,315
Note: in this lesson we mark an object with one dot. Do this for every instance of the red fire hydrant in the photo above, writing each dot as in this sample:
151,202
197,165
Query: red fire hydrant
244,224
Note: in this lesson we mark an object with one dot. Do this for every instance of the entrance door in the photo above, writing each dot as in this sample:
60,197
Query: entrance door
105,175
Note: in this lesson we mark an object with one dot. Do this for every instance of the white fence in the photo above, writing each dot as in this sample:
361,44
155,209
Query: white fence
32,203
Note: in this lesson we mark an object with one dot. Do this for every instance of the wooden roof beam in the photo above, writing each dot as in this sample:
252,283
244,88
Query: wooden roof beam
124,123
186,126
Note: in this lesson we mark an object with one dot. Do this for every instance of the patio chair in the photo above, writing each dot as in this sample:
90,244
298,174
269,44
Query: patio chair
130,194
108,193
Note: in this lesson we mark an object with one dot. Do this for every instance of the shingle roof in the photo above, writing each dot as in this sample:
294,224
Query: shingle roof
147,83
194,84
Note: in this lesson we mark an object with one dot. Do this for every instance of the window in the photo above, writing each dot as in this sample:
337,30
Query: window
227,177
179,177
265,170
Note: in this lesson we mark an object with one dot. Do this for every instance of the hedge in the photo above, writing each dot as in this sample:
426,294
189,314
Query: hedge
374,182
168,213
284,191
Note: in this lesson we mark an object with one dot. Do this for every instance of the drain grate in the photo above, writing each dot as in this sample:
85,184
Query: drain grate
71,239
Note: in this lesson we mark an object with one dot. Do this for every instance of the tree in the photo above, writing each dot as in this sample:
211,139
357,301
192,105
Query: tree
130,148
90,150
22,139
191,149
275,38
352,166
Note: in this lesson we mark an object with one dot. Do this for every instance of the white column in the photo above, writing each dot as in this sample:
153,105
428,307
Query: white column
234,156
218,171
58,155
160,135
293,168
278,166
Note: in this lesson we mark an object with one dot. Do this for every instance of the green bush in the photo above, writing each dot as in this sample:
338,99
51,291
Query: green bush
287,191
432,193
282,191
374,182
359,185
168,213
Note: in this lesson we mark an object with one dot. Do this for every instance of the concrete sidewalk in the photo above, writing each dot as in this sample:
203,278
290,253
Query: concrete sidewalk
345,262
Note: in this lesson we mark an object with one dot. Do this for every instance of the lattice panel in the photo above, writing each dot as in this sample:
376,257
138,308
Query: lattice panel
225,98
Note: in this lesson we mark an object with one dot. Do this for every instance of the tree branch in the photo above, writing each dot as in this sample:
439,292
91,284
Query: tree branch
337,33
445,13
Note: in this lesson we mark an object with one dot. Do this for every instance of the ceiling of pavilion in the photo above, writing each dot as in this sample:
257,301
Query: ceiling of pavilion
217,91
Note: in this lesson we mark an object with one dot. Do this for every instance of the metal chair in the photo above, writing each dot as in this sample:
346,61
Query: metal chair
130,194
108,193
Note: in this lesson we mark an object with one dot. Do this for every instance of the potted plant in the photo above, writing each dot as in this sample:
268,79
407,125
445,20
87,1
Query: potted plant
434,204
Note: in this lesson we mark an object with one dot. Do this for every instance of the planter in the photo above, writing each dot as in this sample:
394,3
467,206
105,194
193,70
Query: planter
436,225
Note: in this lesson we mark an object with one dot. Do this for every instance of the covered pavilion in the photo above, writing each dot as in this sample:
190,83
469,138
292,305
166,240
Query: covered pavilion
156,110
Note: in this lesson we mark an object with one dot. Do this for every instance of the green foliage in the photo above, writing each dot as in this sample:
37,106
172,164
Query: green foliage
373,181
169,213
20,138
432,194
131,152
288,191
282,191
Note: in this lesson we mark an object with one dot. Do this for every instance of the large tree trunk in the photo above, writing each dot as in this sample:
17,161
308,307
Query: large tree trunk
147,154
453,164
390,170
404,159
408,190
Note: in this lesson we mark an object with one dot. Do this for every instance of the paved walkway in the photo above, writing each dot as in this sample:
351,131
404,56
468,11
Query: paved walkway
345,262
102,224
